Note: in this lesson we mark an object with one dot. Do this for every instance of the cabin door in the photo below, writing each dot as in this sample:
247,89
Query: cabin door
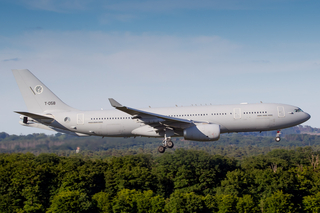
281,113
80,119
236,113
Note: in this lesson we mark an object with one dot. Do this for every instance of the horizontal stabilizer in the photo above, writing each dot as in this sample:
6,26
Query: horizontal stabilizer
35,116
50,128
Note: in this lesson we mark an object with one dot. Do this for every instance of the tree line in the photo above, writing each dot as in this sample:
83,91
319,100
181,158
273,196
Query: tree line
242,143
180,181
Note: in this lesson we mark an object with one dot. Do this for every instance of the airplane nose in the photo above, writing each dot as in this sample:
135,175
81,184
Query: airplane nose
307,116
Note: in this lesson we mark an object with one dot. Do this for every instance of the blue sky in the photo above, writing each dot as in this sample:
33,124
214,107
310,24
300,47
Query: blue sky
161,53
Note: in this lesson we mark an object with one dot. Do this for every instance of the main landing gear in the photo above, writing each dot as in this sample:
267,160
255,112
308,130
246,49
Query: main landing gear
167,143
278,139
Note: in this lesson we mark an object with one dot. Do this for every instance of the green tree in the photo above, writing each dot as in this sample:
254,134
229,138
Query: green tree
227,203
237,182
139,202
211,203
103,202
130,172
148,202
70,201
308,180
266,182
191,171
181,202
278,202
86,176
25,183
246,204
311,203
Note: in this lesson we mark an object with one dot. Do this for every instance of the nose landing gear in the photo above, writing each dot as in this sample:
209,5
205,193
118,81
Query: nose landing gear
278,139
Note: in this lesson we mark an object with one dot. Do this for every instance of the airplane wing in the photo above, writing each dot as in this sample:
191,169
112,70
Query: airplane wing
137,112
153,119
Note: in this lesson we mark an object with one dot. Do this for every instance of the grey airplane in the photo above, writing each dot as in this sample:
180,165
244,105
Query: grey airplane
196,123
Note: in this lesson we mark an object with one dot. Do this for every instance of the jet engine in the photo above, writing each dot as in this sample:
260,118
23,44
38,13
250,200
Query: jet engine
202,132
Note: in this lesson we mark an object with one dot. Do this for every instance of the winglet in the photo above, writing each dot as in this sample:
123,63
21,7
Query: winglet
114,103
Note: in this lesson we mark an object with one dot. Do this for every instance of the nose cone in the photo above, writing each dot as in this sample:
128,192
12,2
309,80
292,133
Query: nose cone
306,117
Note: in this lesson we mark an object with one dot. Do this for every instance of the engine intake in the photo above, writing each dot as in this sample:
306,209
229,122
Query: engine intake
202,132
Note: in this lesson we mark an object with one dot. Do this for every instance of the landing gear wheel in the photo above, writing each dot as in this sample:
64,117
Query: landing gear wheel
170,144
278,139
161,149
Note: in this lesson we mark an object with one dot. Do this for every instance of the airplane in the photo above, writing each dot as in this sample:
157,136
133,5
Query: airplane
196,123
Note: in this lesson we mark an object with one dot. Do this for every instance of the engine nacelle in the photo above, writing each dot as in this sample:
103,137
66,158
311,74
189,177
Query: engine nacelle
202,132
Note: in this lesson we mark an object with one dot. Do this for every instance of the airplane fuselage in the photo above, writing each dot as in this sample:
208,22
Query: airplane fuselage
231,118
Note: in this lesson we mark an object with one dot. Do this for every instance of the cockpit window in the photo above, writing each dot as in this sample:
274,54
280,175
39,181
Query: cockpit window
298,110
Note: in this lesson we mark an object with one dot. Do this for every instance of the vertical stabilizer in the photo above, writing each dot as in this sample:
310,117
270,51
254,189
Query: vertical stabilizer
36,95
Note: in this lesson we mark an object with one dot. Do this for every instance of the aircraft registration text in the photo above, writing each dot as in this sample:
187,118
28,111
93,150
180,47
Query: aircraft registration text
50,103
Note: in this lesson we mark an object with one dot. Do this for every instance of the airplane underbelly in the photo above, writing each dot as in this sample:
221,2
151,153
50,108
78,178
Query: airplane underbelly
263,123
115,129
112,129
252,124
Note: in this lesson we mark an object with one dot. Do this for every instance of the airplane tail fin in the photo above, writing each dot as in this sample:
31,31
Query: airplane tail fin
36,95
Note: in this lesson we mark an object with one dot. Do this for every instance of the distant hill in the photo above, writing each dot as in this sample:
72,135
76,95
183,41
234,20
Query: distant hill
300,129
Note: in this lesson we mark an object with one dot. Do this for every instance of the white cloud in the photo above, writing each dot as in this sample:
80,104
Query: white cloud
142,56
11,59
147,6
108,18
170,5
113,49
60,6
